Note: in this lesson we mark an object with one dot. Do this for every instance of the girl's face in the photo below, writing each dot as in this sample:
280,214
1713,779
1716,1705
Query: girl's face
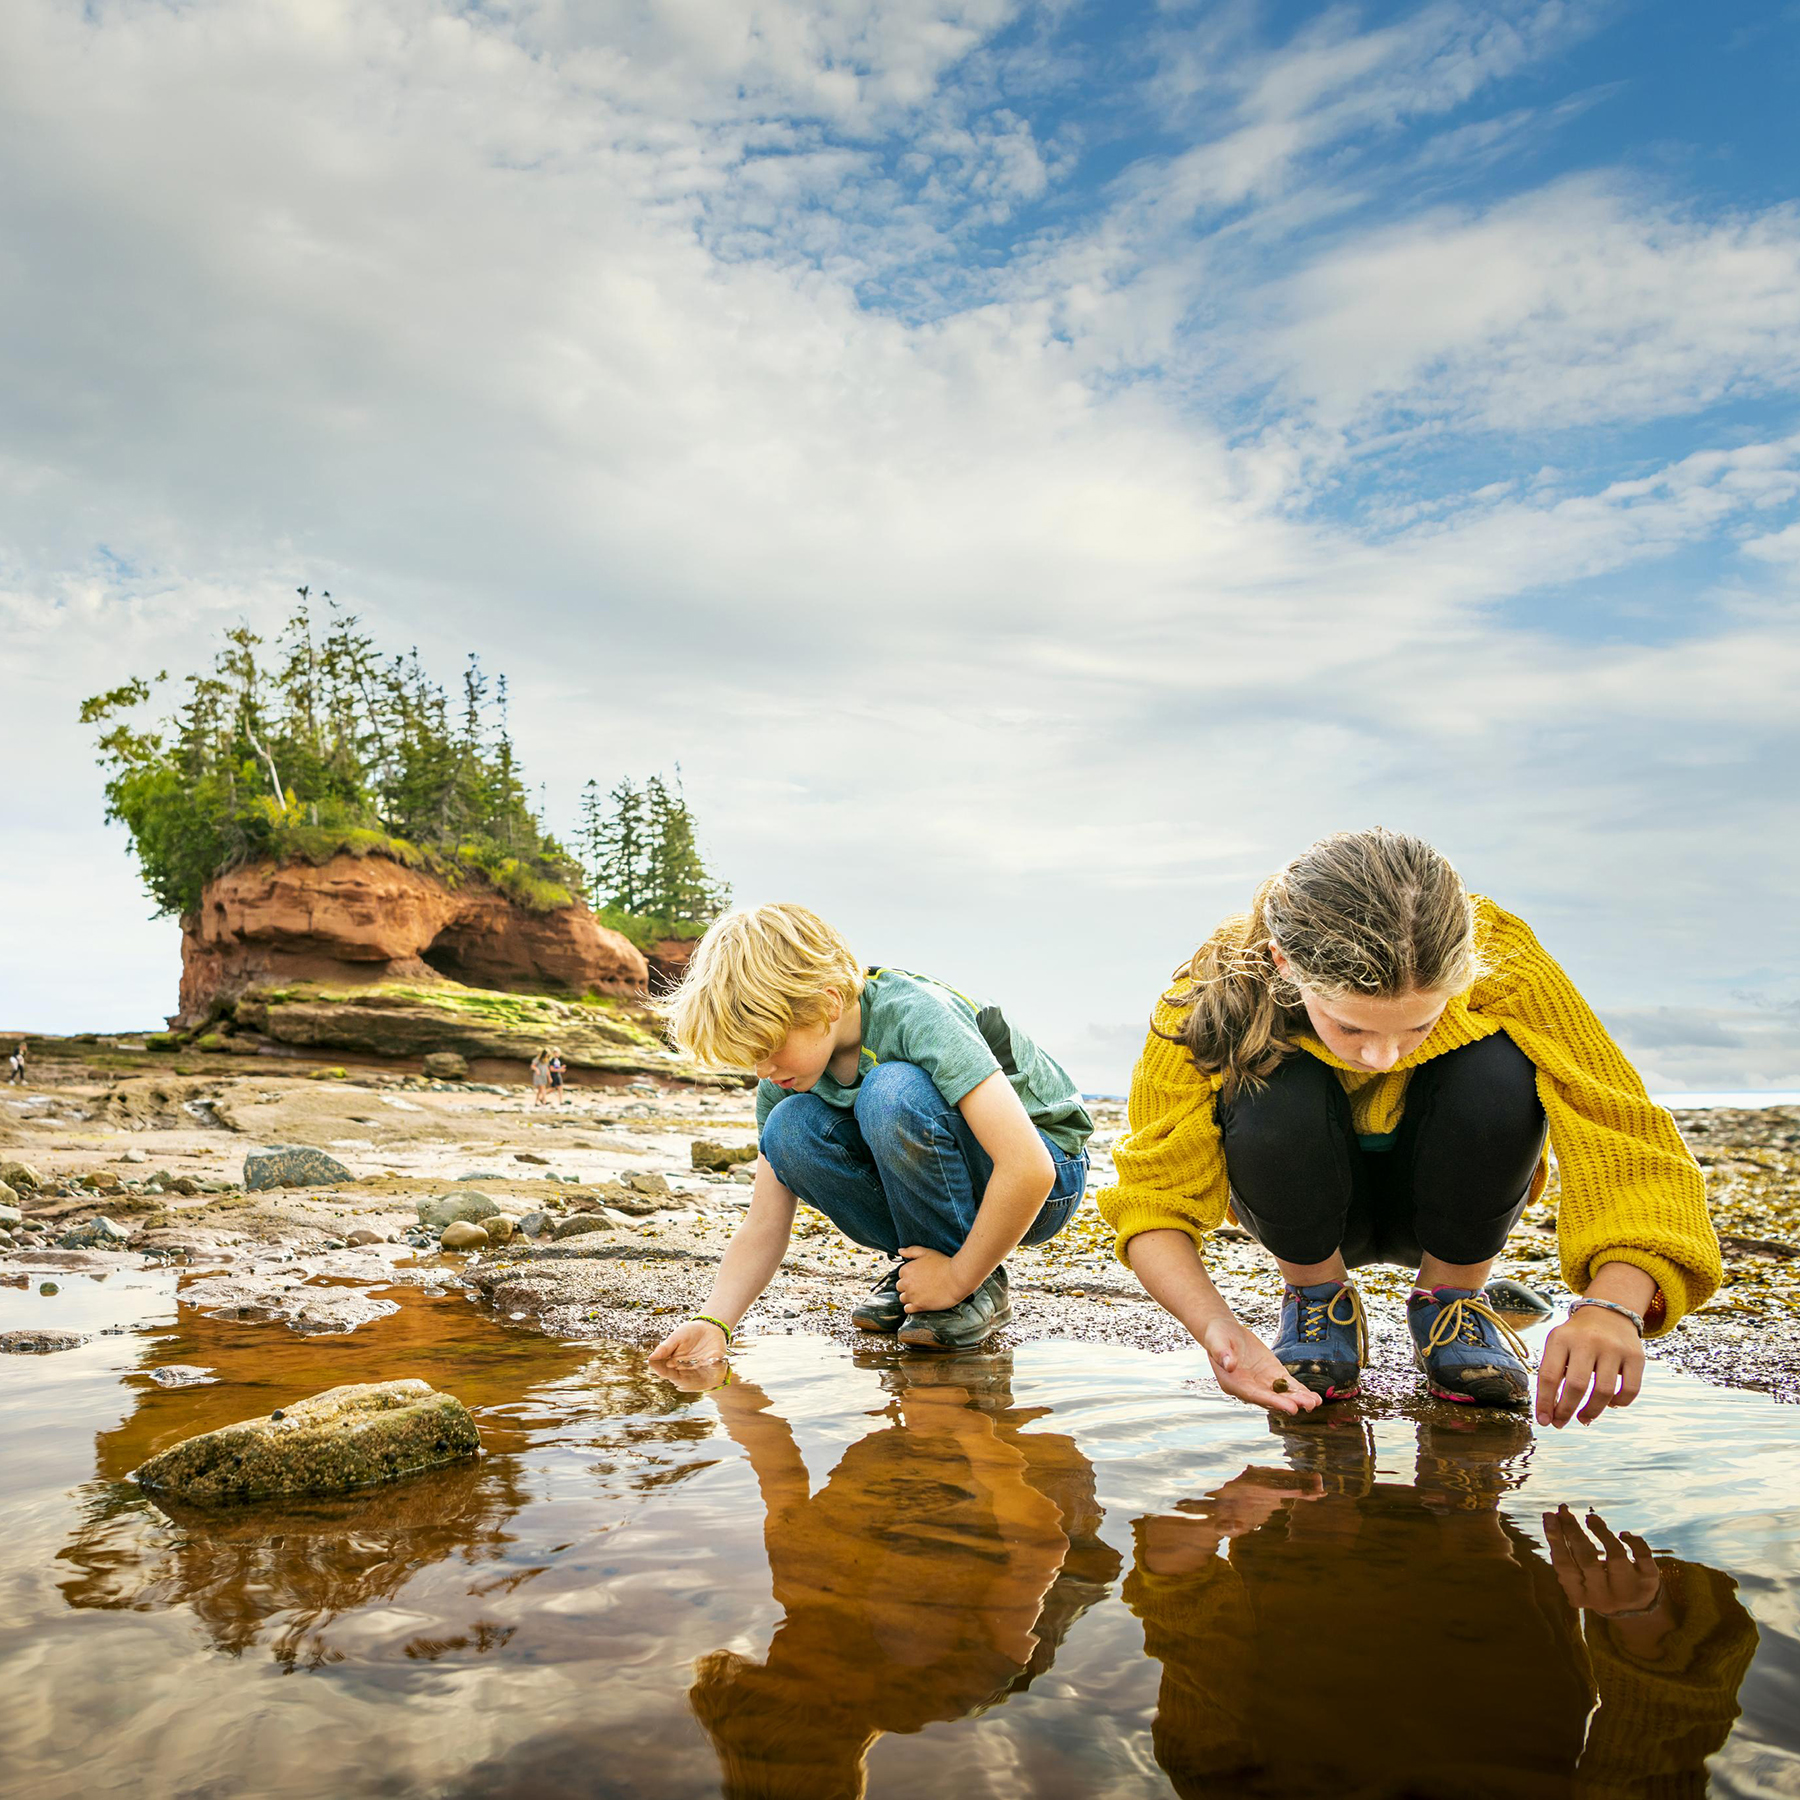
1371,1031
797,1062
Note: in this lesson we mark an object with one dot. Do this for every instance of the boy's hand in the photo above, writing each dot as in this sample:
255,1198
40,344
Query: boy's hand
1247,1369
1593,1346
929,1280
694,1342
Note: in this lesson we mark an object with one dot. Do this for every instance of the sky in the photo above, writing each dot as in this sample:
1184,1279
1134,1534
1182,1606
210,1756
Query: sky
1033,467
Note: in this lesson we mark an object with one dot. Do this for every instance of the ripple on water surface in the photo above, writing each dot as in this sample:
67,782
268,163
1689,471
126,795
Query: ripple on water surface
1066,1571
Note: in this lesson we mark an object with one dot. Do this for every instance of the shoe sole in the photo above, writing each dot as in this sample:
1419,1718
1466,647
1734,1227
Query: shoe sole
1492,1390
934,1342
1309,1377
867,1322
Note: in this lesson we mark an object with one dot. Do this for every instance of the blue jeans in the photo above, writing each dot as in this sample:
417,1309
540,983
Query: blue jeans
903,1168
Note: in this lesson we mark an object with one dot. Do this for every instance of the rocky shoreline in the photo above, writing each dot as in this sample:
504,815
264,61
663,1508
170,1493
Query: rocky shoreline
611,1229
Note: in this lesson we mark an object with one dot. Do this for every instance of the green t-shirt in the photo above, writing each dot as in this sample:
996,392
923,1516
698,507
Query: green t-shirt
910,1018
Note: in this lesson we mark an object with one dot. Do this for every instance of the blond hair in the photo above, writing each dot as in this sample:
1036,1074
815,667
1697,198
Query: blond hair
757,974
1359,912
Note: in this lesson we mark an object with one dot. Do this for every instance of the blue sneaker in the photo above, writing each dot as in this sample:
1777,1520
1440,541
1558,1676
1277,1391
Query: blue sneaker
1468,1352
1323,1341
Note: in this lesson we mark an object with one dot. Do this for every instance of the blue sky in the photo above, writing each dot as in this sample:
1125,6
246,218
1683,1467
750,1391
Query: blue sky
1035,467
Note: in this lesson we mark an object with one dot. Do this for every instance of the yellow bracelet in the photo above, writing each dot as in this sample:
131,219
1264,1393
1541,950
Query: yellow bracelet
708,1319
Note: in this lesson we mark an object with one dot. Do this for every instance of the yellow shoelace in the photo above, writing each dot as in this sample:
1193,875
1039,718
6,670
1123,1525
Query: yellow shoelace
1455,1321
1314,1312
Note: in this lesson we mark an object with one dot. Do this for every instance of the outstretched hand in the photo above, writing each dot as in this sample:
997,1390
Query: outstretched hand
1593,1349
1248,1370
691,1343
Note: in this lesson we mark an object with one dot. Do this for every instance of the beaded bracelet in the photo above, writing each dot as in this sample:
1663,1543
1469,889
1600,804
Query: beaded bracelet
708,1319
1624,1312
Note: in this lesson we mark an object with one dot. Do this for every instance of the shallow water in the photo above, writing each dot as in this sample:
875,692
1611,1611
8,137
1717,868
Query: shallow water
1063,1571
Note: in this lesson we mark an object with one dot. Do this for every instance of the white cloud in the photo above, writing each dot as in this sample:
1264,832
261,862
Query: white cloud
985,624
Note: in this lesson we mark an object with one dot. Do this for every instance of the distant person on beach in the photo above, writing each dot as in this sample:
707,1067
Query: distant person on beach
920,1122
540,1078
557,1069
15,1067
1364,1068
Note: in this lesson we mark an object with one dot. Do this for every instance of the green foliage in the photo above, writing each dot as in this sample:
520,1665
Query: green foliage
329,746
643,862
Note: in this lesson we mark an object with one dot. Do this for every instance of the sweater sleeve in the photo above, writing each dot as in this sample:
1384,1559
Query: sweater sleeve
1631,1191
1170,1164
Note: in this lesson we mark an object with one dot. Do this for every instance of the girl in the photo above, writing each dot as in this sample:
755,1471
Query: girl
1365,1066
540,1077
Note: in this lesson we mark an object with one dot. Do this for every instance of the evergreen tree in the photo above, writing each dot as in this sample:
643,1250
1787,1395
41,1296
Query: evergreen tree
621,851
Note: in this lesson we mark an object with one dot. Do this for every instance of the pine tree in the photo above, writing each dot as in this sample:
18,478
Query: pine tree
620,852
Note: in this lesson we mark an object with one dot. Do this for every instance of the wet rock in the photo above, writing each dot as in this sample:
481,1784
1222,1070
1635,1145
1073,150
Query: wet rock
363,1235
580,1225
1515,1297
447,1209
6,1238
715,1159
257,1298
96,1234
102,1181
463,1234
175,1375
292,1165
182,1240
10,1216
529,1156
632,1200
535,1224
446,1065
346,1438
38,1343
22,1178
499,1228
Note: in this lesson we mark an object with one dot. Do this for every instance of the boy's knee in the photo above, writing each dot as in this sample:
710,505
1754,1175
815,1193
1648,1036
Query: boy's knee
898,1105
795,1123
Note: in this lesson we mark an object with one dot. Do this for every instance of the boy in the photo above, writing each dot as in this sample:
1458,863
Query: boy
920,1124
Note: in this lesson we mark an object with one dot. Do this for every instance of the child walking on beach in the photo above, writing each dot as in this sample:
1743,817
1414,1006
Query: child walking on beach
1364,1067
921,1123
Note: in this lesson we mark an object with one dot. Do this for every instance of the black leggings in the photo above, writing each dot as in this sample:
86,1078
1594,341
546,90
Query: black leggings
1452,1184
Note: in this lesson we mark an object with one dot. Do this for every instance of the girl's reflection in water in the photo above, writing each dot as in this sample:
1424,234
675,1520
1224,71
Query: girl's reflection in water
934,1573
1358,1636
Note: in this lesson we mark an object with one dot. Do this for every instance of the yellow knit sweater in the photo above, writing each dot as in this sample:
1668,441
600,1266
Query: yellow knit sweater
1631,1192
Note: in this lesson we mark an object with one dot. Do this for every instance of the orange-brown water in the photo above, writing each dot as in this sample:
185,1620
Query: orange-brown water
1065,1571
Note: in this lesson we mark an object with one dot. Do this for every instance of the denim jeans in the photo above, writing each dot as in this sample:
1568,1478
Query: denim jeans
902,1168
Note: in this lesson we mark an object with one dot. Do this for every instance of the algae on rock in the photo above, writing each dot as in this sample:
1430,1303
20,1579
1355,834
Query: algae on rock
346,1438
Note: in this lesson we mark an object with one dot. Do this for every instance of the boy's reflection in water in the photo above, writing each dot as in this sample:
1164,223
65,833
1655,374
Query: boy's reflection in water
934,1572
1368,1638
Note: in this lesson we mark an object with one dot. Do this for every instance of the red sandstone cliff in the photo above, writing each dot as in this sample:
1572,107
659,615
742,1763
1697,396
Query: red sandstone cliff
365,919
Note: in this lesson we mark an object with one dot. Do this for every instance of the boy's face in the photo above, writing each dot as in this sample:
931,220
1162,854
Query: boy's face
797,1062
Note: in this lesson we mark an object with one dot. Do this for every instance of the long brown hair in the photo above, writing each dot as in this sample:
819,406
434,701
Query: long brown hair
1359,912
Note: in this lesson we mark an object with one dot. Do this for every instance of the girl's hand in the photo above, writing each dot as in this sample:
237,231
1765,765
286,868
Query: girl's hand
694,1342
1594,1347
1248,1370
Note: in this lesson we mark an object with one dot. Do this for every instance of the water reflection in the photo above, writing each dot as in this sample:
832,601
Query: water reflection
280,1573
1320,1630
935,1572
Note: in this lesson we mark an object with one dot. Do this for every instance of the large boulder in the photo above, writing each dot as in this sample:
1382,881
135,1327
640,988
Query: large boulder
22,1178
292,1165
446,1065
359,919
348,1437
10,1216
451,1209
463,1234
39,1343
